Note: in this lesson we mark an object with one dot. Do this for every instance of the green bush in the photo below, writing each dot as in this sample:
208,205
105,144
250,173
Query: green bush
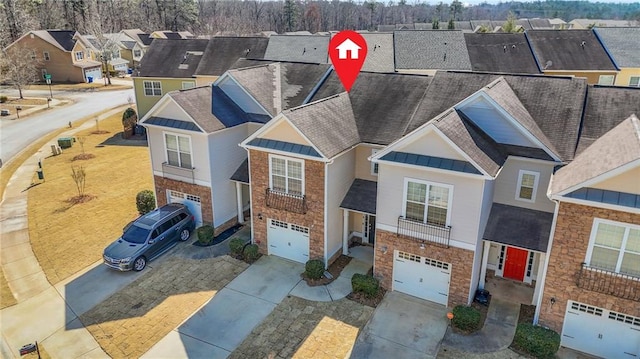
205,234
145,201
466,318
3,99
365,284
236,245
314,269
537,341
251,253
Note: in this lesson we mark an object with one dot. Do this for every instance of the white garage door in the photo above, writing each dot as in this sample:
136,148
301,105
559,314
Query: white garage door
288,240
601,332
96,73
192,202
421,277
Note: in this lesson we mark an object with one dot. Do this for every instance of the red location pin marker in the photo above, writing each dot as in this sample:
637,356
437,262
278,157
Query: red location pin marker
347,50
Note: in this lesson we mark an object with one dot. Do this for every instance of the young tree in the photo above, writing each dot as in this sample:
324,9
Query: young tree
79,176
510,25
435,25
451,25
19,67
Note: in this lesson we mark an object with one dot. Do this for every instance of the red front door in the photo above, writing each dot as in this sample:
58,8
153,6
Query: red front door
515,263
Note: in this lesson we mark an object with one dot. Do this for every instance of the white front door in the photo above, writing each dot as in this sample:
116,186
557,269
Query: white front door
192,202
601,332
421,277
288,240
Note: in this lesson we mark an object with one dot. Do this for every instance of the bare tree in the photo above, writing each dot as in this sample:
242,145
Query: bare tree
79,176
106,47
19,67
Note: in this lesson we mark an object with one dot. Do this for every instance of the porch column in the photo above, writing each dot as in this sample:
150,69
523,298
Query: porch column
345,232
483,268
239,200
536,291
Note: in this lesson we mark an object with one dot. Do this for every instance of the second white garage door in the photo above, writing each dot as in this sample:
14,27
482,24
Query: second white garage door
601,332
192,202
421,277
288,240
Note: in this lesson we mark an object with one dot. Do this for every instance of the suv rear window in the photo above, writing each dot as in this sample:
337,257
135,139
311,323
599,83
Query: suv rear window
135,234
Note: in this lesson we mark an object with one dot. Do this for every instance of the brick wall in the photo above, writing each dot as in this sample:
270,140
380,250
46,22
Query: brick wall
570,243
461,263
314,192
163,184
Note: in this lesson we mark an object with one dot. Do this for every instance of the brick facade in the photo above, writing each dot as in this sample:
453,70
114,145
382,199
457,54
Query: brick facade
461,263
163,184
570,244
314,193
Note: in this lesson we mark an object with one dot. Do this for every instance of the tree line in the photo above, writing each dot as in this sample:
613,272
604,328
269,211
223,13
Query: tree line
209,17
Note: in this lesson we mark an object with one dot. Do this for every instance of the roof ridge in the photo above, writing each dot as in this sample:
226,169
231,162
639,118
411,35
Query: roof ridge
290,110
635,122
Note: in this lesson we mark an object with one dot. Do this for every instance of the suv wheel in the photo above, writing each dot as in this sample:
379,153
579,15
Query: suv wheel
184,235
139,264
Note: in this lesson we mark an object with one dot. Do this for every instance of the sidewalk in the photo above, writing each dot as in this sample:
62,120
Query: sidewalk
27,111
42,312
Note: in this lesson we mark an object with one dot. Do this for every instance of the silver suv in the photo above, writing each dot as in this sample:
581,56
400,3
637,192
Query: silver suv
149,236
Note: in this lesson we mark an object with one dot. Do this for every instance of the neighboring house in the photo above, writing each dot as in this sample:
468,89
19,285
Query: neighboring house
379,52
109,47
56,52
194,134
143,41
298,48
572,53
623,44
590,23
127,48
426,51
506,53
168,65
171,35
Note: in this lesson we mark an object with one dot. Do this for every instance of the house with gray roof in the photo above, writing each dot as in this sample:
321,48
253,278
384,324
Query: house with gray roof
501,52
621,43
379,52
426,51
298,48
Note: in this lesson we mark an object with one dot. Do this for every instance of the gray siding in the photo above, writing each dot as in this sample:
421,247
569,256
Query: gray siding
507,183
363,165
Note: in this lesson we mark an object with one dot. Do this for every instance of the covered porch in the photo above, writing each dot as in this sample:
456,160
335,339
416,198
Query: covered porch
359,215
241,179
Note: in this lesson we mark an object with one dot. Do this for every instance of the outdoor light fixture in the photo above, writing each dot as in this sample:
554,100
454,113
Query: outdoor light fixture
422,246
553,301
383,249
260,216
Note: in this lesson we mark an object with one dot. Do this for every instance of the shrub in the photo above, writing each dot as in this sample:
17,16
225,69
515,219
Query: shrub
3,99
251,253
314,269
205,234
145,201
537,341
365,284
466,318
236,245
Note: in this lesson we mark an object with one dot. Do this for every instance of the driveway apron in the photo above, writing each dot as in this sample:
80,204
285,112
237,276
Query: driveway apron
402,326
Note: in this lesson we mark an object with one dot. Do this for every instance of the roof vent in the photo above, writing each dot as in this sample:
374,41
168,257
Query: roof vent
304,50
513,46
504,48
246,52
375,47
548,64
582,44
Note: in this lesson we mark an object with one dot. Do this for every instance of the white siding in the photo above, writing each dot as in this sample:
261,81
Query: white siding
466,205
340,175
171,110
226,156
432,145
507,183
363,165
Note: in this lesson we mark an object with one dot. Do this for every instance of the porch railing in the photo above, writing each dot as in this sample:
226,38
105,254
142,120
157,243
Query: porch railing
185,173
412,229
286,201
610,283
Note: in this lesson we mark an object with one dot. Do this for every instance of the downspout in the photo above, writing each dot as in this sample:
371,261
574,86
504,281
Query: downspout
326,185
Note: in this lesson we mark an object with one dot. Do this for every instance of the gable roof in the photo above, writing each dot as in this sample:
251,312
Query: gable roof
172,58
298,48
222,52
569,50
62,39
622,44
615,149
431,49
540,24
379,52
501,52
196,103
328,123
605,108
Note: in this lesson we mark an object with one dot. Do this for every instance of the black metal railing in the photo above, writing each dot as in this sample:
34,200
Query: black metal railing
607,282
409,228
181,172
289,202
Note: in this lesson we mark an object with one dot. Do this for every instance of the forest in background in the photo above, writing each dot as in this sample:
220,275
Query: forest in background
210,17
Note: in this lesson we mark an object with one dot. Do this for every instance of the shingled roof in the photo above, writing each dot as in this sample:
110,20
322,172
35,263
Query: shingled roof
63,39
197,103
222,52
501,52
298,48
379,52
622,43
431,50
569,50
173,58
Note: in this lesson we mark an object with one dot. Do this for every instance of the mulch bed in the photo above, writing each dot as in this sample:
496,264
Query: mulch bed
80,199
364,300
335,269
219,238
83,156
526,313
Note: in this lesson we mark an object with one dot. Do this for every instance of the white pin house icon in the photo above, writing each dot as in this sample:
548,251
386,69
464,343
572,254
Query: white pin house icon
348,46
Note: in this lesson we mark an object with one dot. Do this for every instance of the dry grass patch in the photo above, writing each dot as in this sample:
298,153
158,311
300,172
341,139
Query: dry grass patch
6,299
16,101
131,321
94,86
67,236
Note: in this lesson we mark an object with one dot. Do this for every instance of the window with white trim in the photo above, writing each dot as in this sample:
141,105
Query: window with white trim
427,202
46,56
188,85
286,175
527,186
606,80
374,166
178,150
634,81
137,53
79,55
615,247
152,88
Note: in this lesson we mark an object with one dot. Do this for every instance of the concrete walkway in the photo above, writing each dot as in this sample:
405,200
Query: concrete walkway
497,333
44,313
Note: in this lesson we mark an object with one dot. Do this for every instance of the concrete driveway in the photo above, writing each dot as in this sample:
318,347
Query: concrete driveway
402,326
221,325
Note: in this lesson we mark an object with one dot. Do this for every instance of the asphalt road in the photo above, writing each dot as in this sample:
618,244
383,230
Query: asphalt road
16,135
